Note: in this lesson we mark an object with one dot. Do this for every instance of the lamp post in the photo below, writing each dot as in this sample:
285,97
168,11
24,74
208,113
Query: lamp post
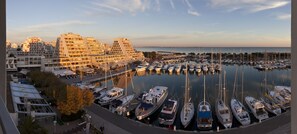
88,123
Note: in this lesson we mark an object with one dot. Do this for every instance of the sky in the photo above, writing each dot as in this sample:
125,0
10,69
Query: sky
167,23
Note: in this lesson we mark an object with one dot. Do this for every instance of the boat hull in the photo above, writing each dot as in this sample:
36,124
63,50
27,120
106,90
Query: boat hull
186,118
141,115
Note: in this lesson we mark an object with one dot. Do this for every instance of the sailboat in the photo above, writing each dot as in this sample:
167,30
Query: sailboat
204,119
187,112
120,105
111,95
238,109
268,102
211,67
219,66
223,112
101,91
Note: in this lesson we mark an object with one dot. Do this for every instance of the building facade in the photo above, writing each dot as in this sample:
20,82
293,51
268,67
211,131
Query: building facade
72,51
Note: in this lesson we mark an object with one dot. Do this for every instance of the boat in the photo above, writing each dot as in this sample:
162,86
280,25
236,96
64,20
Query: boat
211,67
111,95
204,114
223,112
279,100
205,68
151,67
185,69
158,67
177,68
238,109
151,101
218,67
268,102
270,105
257,108
192,67
288,89
168,112
165,67
283,91
198,68
140,68
120,105
170,69
187,112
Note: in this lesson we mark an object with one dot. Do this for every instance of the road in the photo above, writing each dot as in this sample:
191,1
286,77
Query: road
277,124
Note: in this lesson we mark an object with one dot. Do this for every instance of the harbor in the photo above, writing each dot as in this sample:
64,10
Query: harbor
253,85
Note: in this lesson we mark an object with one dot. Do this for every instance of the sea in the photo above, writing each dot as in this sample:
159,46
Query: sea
215,49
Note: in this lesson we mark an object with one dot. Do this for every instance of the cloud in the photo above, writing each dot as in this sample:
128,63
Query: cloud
59,24
172,4
108,7
191,10
251,6
284,17
267,6
121,6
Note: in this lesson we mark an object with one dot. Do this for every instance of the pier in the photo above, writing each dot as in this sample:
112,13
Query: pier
114,124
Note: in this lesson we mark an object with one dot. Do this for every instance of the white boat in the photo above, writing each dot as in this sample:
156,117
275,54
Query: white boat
119,105
285,92
279,100
151,67
185,69
187,112
192,67
223,112
211,68
240,112
204,114
151,101
257,108
170,69
270,105
158,67
165,67
140,68
198,68
168,112
268,102
111,95
205,68
238,109
177,68
218,67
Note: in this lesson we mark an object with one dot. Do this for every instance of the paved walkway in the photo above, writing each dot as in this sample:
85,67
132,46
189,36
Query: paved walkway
123,125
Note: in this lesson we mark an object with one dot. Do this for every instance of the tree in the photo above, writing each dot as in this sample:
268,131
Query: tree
76,99
28,126
88,97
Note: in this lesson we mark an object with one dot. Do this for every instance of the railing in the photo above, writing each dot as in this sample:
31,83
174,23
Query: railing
7,125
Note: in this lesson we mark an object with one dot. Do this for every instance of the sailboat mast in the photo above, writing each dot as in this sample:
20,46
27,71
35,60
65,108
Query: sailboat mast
224,88
234,84
186,86
204,90
126,80
242,86
105,73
